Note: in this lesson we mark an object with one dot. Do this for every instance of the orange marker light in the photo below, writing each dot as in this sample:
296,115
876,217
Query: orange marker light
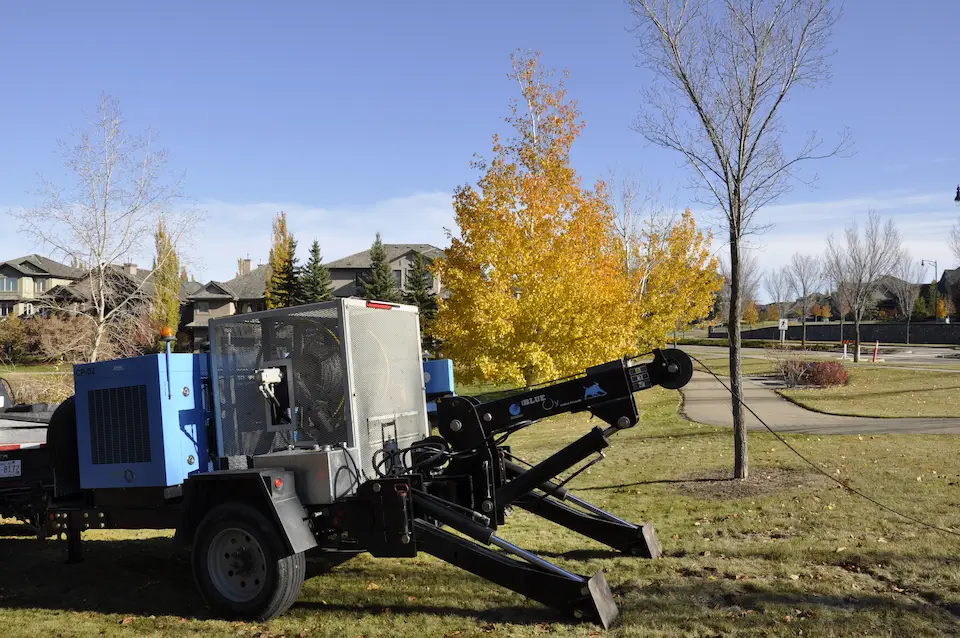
166,332
278,482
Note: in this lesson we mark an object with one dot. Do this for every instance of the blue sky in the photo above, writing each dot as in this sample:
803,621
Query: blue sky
355,117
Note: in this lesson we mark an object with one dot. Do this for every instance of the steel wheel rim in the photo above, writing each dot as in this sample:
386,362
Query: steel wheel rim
236,564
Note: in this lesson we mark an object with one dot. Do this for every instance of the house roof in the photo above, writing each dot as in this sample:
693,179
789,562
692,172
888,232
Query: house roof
187,288
394,251
252,285
32,265
213,290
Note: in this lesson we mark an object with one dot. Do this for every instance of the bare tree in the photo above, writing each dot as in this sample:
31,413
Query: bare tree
724,71
777,285
805,274
860,261
751,276
117,190
641,223
905,285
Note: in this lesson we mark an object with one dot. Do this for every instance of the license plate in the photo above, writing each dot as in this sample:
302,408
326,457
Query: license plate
9,468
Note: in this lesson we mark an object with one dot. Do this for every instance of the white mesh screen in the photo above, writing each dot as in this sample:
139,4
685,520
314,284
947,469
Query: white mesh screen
357,377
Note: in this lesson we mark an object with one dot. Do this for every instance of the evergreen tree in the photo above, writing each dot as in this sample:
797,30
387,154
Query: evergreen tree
282,289
420,294
380,285
183,274
315,283
920,310
166,279
932,298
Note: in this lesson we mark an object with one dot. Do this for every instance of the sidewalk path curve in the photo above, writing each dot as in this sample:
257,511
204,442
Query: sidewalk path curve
706,401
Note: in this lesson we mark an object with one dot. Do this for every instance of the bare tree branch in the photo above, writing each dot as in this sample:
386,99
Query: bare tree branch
860,261
723,71
106,217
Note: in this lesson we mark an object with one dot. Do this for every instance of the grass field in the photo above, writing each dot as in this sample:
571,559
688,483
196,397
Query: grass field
887,393
781,553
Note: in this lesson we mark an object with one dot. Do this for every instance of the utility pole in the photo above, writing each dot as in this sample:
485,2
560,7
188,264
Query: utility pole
936,284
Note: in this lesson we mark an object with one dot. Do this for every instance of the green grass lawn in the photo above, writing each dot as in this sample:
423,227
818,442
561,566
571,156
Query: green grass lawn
781,553
887,392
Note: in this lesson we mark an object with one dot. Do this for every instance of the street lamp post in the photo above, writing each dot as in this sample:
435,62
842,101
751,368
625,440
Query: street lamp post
936,271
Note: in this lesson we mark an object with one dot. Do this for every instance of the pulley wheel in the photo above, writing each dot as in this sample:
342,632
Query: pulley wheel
674,370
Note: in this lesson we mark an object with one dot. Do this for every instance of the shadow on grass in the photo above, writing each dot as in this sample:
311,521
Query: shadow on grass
506,614
152,577
657,482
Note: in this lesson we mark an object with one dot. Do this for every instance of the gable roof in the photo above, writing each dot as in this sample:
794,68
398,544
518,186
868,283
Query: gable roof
38,265
213,290
394,251
252,285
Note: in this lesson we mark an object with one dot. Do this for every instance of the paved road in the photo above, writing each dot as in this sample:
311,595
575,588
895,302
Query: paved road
706,401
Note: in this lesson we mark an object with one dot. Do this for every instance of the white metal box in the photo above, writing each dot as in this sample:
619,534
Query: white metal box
322,476
357,378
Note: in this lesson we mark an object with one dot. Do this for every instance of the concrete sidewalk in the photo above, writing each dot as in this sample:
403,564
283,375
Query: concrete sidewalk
706,401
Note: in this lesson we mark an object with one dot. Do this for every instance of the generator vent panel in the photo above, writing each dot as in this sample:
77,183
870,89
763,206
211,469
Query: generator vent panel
141,422
119,425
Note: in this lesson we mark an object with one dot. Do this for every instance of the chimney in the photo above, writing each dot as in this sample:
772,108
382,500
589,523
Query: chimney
130,269
245,266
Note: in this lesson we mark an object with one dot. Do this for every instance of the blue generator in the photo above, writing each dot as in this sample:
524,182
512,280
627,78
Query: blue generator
141,422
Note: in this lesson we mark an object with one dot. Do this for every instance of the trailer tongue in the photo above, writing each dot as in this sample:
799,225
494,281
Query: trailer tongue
305,430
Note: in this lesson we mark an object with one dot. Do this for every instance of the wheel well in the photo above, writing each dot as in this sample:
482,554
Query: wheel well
207,492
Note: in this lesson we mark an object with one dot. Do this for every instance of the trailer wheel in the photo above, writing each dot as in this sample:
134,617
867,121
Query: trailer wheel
239,566
62,446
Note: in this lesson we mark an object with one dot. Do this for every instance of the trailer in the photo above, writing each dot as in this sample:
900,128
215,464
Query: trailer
306,430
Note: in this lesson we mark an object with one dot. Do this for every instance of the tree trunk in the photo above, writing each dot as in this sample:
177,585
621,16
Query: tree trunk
741,467
856,346
841,329
908,331
803,337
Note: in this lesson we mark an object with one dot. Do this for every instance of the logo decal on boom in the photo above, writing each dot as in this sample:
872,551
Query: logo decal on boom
593,391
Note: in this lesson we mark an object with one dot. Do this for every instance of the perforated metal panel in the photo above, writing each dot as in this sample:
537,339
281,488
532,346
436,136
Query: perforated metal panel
386,378
119,425
357,377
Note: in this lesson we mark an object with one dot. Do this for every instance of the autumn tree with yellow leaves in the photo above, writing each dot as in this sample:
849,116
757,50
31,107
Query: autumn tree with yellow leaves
539,283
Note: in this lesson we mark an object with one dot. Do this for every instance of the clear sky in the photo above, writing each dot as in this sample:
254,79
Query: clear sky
357,117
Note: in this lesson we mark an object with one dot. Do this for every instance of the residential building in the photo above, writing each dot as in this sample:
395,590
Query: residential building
244,293
26,279
348,273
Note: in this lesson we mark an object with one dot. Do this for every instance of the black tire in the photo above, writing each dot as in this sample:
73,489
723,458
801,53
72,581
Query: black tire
256,581
62,447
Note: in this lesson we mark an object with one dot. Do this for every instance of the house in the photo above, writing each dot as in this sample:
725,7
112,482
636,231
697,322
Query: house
348,273
25,279
244,293
121,283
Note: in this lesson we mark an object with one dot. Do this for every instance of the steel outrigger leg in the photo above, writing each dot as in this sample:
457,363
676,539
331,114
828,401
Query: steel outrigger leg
589,520
571,594
528,574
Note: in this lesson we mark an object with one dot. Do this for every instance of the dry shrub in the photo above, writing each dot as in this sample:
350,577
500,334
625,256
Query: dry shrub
41,388
826,373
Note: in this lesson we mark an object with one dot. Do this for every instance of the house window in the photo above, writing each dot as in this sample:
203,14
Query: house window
40,285
399,275
203,306
6,308
8,284
29,311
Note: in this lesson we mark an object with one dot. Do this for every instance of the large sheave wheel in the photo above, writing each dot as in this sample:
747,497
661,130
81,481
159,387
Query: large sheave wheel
239,564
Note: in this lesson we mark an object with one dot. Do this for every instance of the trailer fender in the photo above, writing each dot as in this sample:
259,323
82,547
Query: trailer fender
272,491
